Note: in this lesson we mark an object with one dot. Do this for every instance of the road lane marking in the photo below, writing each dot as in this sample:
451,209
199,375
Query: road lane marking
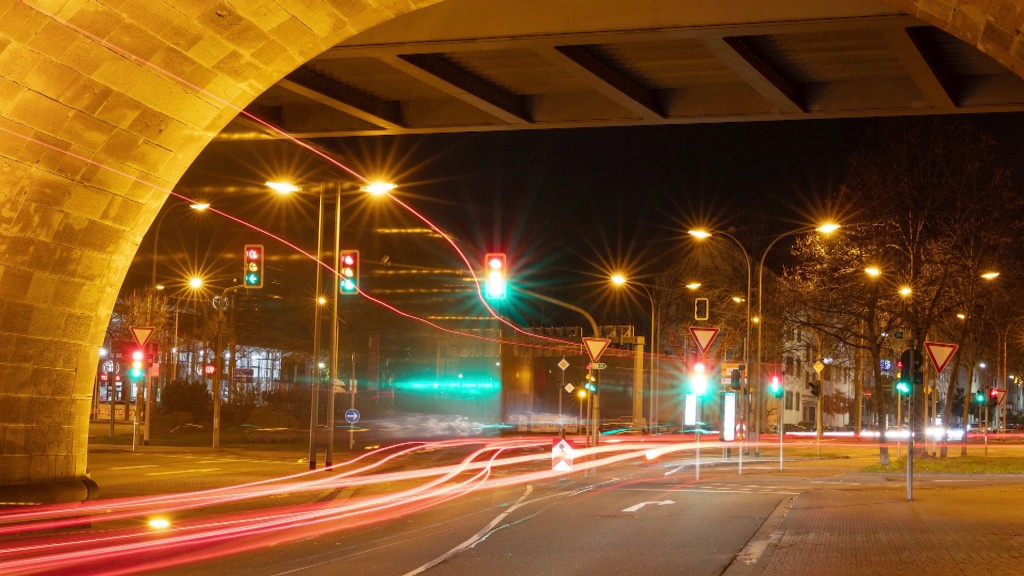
134,467
472,541
192,471
713,491
637,507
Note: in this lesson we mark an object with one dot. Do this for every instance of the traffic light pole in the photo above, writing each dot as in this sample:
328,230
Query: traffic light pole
910,419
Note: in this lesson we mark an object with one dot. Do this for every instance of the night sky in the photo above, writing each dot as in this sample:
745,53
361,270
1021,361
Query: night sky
568,206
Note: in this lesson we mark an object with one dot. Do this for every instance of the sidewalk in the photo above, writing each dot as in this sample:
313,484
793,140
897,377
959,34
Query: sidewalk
954,525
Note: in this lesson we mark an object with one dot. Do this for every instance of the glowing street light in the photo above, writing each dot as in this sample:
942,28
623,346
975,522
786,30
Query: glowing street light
620,280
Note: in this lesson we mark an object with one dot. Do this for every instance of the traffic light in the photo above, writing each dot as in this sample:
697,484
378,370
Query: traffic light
496,275
700,309
775,387
979,396
252,275
815,388
735,379
136,371
993,397
698,379
348,270
903,387
905,373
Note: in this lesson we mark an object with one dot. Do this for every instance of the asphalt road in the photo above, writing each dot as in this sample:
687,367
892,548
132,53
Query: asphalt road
635,517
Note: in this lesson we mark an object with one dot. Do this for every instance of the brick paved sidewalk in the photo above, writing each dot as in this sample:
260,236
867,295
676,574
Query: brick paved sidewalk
964,528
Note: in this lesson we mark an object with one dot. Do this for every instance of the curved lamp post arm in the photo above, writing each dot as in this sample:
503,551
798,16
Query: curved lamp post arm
557,302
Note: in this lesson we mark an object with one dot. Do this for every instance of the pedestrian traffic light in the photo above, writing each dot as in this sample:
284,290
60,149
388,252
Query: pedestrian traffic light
698,379
496,275
735,379
902,387
348,271
136,371
775,387
815,388
252,275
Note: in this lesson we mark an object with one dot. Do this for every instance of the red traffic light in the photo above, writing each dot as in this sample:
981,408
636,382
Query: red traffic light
496,275
252,275
348,271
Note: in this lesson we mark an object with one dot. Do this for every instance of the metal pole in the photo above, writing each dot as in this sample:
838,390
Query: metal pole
696,432
744,398
560,392
314,383
329,458
899,420
352,405
654,332
910,419
755,387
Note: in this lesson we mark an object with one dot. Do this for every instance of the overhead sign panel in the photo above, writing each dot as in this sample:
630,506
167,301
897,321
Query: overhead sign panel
940,353
704,337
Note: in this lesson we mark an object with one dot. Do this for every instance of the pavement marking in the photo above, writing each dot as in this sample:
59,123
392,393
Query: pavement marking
715,490
134,467
192,471
637,507
474,539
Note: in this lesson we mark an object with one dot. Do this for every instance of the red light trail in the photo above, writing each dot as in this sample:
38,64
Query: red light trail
103,549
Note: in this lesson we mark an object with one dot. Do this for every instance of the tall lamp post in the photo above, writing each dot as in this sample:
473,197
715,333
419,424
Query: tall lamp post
620,280
197,206
700,235
826,228
376,189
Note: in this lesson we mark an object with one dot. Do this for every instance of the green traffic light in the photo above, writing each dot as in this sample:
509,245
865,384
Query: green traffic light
135,373
903,387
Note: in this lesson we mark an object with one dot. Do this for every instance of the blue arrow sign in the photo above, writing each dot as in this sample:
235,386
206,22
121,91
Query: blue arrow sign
352,415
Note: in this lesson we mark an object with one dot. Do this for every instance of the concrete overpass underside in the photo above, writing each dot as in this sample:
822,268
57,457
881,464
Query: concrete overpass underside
103,107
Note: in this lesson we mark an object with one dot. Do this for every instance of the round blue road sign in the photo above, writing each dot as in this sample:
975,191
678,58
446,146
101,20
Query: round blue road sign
352,415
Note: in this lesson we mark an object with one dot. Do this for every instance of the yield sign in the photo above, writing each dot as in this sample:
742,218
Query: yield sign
142,334
704,337
940,353
595,347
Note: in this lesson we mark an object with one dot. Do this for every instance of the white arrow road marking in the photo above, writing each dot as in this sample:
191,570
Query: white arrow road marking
637,507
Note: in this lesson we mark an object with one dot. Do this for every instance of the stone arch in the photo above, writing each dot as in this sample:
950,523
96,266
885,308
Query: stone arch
92,140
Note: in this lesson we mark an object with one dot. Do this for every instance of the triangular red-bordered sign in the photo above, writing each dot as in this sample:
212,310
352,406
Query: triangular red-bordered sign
704,337
141,334
595,347
940,353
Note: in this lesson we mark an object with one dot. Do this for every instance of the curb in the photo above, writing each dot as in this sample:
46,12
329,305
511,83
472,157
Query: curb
761,545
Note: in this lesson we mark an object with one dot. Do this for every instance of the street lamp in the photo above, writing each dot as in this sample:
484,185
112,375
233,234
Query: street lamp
620,280
197,206
825,228
283,187
702,234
